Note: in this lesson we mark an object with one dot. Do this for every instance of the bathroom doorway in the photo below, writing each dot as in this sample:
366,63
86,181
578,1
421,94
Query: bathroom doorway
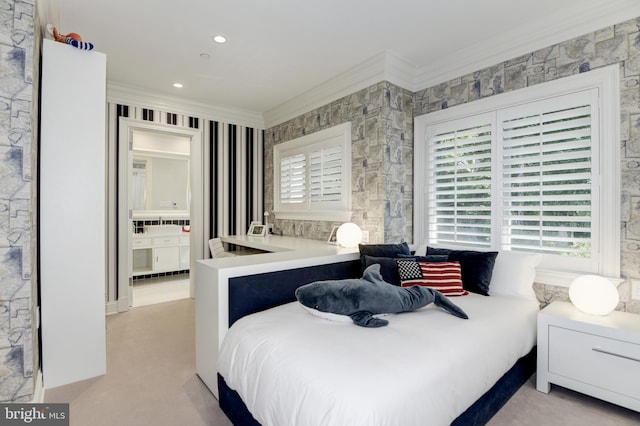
160,213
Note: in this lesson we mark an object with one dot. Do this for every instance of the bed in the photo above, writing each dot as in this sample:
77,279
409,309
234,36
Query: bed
283,366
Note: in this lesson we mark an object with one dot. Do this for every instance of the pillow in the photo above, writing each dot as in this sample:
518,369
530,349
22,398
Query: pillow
477,267
382,250
514,273
363,298
446,277
388,268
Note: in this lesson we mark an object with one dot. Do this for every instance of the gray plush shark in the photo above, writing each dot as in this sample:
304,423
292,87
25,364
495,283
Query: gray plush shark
362,298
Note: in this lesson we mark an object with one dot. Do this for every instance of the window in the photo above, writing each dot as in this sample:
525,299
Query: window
313,176
523,171
459,184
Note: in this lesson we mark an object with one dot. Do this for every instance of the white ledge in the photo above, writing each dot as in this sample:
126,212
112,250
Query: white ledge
338,216
564,278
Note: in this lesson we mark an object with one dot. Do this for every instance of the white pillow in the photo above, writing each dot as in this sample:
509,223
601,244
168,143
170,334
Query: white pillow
513,274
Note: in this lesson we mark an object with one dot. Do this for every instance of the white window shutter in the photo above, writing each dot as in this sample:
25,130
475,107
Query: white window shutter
293,179
313,176
555,178
547,186
459,185
325,175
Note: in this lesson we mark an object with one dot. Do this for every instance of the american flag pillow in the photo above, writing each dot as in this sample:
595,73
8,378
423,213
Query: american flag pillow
446,277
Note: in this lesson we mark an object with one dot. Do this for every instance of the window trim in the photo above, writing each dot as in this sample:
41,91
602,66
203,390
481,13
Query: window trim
306,144
607,81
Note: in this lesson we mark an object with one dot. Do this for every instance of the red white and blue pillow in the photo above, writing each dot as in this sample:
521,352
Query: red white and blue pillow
445,277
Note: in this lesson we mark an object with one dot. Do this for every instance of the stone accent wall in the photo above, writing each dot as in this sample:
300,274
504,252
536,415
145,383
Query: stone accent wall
618,44
18,112
382,162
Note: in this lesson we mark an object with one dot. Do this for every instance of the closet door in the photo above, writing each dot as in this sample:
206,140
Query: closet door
72,214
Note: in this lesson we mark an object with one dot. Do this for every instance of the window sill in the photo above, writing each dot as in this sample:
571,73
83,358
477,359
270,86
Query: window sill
337,216
563,278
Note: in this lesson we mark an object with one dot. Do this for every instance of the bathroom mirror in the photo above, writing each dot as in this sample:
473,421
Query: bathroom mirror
160,174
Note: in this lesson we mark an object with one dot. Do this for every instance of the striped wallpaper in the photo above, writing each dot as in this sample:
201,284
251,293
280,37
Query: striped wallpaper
233,173
234,177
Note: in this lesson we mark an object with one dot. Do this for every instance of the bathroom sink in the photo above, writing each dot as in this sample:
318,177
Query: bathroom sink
163,229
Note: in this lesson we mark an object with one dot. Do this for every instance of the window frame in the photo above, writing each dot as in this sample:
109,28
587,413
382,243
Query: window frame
339,135
606,220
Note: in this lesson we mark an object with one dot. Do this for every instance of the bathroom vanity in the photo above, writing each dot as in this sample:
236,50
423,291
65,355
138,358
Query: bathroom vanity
161,248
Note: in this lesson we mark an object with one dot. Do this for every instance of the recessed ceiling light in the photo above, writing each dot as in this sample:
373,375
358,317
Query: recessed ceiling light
219,39
205,56
178,85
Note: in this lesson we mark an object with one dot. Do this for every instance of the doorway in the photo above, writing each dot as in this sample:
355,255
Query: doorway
160,212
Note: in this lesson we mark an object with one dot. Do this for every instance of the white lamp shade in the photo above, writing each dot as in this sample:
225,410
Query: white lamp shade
594,295
349,235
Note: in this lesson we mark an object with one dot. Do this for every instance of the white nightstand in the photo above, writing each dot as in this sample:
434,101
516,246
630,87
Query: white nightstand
595,355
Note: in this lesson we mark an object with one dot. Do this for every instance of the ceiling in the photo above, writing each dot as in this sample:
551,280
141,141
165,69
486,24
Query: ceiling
280,50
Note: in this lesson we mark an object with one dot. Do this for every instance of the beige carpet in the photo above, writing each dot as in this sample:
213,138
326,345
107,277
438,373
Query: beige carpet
151,380
150,376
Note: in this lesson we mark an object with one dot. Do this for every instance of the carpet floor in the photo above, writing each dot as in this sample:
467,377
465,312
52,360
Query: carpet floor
151,380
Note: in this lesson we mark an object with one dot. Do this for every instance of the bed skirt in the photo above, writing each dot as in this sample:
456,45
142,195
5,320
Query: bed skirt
478,414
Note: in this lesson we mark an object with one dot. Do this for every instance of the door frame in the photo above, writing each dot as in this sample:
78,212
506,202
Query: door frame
196,207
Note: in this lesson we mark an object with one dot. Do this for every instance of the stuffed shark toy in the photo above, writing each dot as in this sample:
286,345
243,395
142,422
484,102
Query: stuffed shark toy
362,298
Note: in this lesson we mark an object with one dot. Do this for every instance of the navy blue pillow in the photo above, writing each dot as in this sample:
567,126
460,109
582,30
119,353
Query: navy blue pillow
476,267
388,268
382,250
428,258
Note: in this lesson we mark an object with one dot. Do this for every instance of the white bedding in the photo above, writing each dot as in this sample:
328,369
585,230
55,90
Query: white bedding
425,367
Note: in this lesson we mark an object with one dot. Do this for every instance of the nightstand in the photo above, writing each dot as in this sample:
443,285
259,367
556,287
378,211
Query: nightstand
594,355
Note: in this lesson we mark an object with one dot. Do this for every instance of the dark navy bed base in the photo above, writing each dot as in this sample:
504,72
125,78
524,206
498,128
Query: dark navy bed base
254,293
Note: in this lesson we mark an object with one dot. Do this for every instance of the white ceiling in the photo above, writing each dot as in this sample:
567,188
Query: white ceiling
280,51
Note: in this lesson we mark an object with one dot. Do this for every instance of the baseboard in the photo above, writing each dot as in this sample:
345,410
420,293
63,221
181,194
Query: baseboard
38,389
111,308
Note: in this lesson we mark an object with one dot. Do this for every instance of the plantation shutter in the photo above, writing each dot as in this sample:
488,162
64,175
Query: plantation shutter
293,179
547,191
459,183
325,175
555,186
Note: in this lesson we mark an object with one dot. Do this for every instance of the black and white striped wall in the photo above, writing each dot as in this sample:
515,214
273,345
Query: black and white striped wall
233,173
233,177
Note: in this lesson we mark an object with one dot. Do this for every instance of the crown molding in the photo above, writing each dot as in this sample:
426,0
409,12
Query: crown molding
385,66
388,66
510,45
130,95
400,71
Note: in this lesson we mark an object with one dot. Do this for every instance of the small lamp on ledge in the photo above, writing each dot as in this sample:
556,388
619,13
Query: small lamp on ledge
349,235
594,295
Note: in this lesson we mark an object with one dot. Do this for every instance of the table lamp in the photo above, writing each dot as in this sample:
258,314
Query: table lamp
593,294
349,235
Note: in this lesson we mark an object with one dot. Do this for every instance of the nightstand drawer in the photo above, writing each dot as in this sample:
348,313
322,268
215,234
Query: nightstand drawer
595,360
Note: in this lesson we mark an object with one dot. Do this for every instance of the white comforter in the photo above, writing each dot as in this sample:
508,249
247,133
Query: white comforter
425,367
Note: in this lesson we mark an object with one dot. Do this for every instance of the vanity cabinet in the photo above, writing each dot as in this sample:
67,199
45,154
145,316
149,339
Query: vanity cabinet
157,254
